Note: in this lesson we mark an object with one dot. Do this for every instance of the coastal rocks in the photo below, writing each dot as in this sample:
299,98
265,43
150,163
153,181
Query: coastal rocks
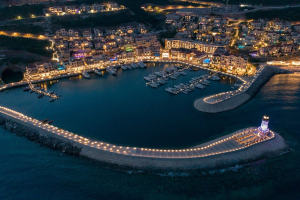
42,138
216,156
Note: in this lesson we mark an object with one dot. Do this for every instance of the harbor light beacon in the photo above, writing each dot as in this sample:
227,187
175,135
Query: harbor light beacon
264,127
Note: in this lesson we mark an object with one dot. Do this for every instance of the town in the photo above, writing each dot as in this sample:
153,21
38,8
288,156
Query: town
149,99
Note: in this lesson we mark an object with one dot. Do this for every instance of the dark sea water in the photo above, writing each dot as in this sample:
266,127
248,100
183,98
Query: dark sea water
122,110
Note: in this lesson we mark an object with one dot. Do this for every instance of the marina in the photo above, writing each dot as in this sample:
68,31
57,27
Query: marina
108,90
227,150
160,78
41,92
199,82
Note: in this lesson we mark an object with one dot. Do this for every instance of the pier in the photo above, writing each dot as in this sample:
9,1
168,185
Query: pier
44,93
231,99
243,145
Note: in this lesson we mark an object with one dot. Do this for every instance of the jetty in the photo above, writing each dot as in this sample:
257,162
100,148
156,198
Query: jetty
232,99
41,92
241,146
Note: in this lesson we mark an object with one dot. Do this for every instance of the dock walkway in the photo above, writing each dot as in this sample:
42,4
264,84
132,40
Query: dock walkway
123,155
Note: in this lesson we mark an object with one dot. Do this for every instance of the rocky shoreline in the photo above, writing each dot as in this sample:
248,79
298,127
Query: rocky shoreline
237,100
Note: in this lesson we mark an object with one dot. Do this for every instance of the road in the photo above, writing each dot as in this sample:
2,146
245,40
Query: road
265,8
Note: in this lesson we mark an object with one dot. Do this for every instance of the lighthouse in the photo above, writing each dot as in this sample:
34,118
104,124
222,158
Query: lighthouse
263,130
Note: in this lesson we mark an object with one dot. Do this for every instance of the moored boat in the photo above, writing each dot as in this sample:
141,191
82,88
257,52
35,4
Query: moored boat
86,75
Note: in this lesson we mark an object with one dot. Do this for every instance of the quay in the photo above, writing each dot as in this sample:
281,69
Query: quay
49,94
212,104
241,146
232,99
102,67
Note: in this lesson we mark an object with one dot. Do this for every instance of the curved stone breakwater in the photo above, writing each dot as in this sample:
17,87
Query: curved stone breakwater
241,146
241,98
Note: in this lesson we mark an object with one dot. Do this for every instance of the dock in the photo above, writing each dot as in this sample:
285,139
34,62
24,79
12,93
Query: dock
196,82
41,92
160,78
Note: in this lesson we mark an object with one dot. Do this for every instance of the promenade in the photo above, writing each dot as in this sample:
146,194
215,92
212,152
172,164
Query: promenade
229,100
239,141
74,71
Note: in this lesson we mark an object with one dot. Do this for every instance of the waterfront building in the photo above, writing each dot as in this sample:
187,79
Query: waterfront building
230,63
190,44
80,9
146,40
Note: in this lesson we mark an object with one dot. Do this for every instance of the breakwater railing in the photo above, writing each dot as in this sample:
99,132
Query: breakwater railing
219,146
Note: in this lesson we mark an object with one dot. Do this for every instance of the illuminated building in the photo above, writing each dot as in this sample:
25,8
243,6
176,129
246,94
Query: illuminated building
188,44
29,2
263,130
230,63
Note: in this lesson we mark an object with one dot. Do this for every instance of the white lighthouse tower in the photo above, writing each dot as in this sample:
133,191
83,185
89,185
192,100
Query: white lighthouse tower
263,130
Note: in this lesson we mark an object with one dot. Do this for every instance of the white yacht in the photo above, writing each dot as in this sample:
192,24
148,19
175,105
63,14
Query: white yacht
124,67
141,64
98,72
86,75
111,71
215,78
200,86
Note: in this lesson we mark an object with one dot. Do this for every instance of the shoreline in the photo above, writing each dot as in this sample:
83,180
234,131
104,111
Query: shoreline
221,152
71,74
229,104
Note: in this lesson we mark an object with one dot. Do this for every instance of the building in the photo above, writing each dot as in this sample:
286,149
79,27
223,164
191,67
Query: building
29,2
230,63
263,130
189,44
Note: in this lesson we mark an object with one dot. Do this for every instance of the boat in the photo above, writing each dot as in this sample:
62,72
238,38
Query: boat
150,77
98,72
26,89
111,71
124,67
171,90
185,91
134,66
205,82
161,81
86,75
200,86
183,73
52,100
141,64
154,84
173,76
215,78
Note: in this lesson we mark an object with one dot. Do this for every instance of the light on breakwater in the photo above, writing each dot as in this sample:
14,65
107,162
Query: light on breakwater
237,141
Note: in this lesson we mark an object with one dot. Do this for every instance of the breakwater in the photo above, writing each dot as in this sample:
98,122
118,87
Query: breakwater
241,146
242,97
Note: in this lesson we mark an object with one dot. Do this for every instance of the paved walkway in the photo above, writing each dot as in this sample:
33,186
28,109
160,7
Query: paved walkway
239,140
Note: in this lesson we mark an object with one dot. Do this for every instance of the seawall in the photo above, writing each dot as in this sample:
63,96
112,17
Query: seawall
33,130
237,100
